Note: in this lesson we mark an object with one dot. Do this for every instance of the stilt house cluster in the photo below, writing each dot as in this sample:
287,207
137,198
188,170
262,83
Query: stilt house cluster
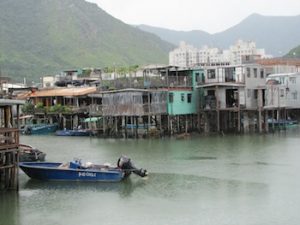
165,100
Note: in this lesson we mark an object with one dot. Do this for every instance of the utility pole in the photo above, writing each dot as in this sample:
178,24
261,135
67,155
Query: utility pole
1,87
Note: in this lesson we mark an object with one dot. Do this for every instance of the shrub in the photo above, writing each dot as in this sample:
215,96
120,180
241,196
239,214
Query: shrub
28,108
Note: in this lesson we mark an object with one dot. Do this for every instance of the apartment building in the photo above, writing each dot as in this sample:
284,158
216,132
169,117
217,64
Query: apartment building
188,56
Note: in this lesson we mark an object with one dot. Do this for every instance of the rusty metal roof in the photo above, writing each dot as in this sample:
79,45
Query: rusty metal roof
279,61
78,91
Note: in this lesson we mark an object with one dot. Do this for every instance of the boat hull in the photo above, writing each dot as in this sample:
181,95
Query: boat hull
30,154
40,129
32,157
73,133
52,171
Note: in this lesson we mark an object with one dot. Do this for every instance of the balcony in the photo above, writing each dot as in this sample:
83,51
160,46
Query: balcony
65,109
95,109
79,109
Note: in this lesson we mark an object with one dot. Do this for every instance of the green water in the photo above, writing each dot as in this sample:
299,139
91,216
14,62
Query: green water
216,180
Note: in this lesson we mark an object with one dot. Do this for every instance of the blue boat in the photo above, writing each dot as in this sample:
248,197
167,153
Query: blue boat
282,123
76,171
40,128
78,132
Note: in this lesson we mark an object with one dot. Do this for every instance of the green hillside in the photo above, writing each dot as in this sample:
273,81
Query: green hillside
294,53
47,36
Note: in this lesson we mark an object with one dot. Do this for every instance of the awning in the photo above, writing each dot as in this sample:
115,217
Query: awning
92,119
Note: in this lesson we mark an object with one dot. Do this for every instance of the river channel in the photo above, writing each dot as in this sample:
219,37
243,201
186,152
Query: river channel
209,180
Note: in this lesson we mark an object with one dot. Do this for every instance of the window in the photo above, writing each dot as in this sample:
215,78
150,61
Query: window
248,72
262,75
293,80
189,98
295,95
255,72
229,74
211,74
255,94
182,97
197,77
171,97
249,93
281,93
211,92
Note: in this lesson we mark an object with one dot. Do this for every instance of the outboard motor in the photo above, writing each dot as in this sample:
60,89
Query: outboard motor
27,130
125,164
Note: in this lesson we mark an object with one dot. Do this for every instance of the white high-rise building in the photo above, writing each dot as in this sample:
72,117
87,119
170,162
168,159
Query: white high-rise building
184,56
189,56
244,48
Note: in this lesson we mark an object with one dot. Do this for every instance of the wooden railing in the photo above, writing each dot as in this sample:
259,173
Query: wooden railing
9,138
95,109
79,109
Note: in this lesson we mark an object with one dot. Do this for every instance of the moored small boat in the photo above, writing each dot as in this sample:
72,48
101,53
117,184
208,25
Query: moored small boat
282,122
78,132
30,154
76,171
40,128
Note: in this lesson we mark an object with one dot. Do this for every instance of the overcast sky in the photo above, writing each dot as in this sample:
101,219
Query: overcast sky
207,15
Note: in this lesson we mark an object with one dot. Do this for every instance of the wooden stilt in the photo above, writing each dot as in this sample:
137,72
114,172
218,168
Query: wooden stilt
186,124
136,127
266,122
160,125
259,121
104,125
149,113
132,125
178,124
126,132
273,118
169,125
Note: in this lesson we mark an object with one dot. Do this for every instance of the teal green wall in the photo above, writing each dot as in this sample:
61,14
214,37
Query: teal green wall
179,107
200,74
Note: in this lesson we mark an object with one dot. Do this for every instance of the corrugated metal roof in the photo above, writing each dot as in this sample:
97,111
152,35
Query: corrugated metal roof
78,91
23,95
126,90
221,84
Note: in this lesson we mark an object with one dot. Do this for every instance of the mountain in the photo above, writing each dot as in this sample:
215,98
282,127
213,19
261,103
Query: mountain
48,36
294,53
196,38
277,34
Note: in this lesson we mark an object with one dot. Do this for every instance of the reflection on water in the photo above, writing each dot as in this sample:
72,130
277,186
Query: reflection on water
194,187
169,185
9,208
124,188
214,180
201,158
